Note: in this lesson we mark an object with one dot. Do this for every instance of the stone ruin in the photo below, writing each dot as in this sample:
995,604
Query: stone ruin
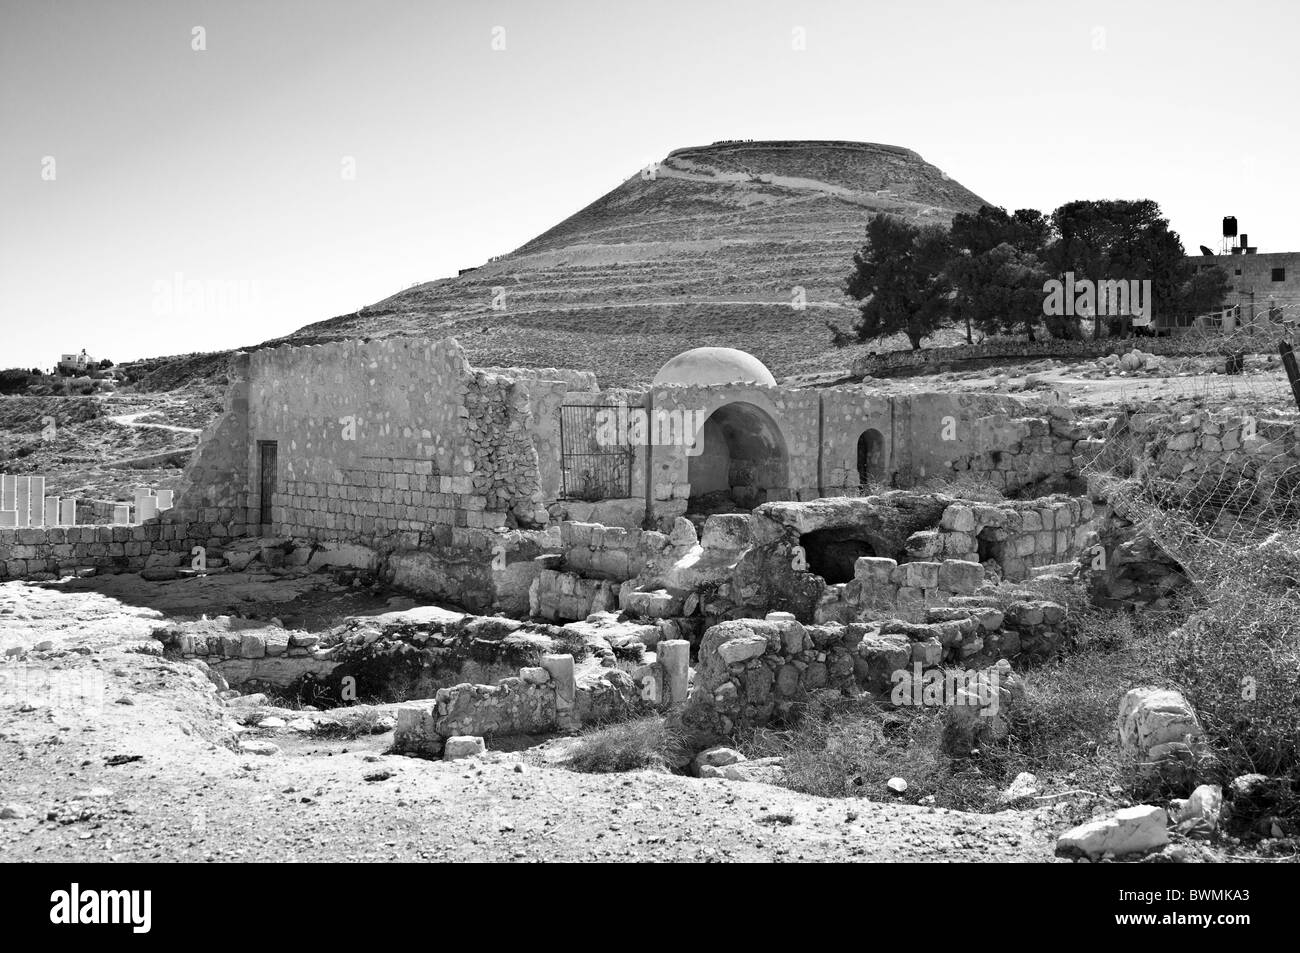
789,540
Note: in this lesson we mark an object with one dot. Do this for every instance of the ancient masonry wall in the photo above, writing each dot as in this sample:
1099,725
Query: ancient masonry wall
752,671
544,698
380,441
1016,537
49,553
929,359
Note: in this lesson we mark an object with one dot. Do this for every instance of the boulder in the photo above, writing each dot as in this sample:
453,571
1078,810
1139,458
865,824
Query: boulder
1202,810
463,746
1156,725
716,757
1130,830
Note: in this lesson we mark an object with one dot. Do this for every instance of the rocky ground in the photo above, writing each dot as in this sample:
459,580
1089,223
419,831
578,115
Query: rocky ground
112,752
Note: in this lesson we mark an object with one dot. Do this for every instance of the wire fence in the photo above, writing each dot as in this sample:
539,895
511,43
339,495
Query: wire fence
1211,471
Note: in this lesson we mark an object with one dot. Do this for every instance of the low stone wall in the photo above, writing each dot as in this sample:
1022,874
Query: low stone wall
596,564
254,657
751,672
540,699
1215,467
566,596
49,553
481,570
612,552
882,584
1012,453
1015,537
929,359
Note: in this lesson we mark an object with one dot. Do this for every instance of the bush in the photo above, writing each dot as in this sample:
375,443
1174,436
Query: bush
1063,731
1239,666
626,746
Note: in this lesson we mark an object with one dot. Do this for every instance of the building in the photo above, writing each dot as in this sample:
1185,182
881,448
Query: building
1265,289
455,477
80,363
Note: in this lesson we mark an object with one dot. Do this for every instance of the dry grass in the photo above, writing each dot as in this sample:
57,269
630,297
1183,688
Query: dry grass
625,746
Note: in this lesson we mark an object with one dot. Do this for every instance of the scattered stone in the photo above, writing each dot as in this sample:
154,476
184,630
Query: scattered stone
1024,786
1157,725
255,700
897,785
463,746
1202,810
717,757
1130,830
253,746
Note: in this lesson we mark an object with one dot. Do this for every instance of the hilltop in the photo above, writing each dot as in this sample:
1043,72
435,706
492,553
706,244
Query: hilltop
706,247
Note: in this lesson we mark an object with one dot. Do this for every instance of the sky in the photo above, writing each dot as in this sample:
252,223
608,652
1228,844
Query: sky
178,175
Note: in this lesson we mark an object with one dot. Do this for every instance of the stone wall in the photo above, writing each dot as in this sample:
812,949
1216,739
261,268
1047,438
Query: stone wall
1013,538
380,440
48,553
882,585
252,656
751,672
552,696
831,438
928,360
790,418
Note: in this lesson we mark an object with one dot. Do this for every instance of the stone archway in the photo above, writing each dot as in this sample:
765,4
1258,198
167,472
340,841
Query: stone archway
871,457
743,457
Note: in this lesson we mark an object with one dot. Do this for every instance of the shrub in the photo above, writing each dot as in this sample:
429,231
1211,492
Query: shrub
626,746
1239,666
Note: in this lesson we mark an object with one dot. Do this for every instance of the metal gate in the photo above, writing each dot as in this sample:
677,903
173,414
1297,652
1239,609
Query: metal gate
592,466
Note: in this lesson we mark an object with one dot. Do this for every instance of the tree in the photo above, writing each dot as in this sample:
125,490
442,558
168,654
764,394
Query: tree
1120,240
996,269
14,380
1202,292
999,291
900,275
1027,230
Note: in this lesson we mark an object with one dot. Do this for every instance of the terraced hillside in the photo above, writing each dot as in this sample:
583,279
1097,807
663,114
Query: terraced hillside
706,248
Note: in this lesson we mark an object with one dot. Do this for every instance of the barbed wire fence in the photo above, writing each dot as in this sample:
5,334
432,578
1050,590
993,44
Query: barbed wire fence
1211,472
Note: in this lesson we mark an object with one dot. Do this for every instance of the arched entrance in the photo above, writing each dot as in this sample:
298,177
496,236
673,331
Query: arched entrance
743,457
871,457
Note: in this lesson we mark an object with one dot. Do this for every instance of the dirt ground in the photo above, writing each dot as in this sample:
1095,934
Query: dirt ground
113,753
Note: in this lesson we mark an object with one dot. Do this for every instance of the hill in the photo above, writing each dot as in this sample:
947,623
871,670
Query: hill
708,247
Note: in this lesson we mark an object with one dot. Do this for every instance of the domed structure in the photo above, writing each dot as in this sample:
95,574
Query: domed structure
702,366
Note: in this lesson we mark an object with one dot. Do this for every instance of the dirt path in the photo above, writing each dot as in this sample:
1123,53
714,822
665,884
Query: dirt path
110,752
133,420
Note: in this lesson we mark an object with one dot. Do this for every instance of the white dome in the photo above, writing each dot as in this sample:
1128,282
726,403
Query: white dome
702,366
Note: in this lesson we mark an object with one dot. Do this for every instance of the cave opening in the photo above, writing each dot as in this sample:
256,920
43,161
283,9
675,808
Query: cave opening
832,553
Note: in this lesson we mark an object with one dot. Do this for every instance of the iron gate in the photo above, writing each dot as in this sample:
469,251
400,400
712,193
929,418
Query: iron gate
592,466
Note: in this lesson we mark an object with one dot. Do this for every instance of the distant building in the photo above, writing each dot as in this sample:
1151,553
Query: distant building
77,362
1263,290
